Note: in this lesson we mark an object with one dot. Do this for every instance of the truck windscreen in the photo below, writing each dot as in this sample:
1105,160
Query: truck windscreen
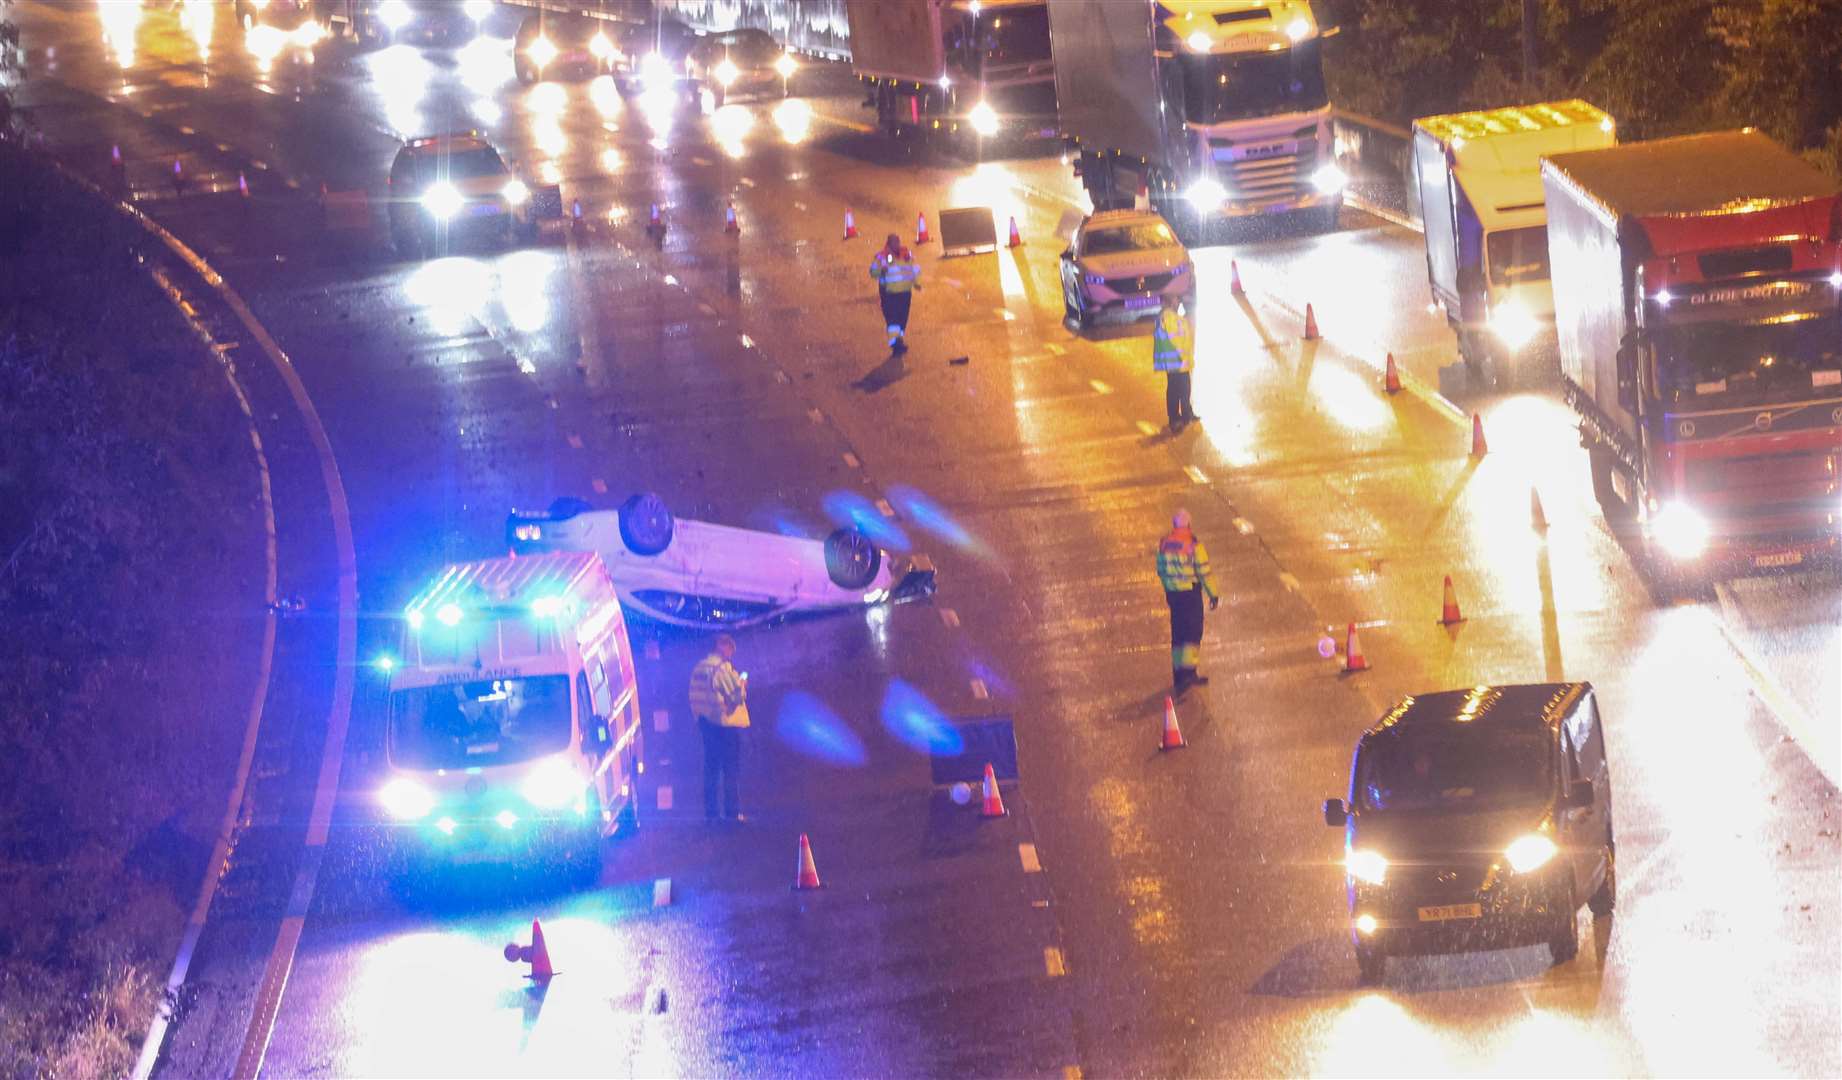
489,722
1238,86
1518,255
1713,364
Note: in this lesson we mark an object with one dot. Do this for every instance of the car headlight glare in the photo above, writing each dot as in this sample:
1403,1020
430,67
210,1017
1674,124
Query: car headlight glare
1513,324
442,201
541,51
1329,180
516,193
1531,852
552,784
984,119
406,800
477,10
656,70
1681,531
600,47
1206,194
786,65
395,14
727,72
1369,866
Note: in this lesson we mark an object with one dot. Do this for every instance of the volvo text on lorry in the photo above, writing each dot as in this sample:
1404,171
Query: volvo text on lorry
1479,181
1217,107
1696,285
514,717
968,70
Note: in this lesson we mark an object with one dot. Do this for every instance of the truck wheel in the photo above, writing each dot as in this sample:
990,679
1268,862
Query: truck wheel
1618,513
851,560
645,524
1371,965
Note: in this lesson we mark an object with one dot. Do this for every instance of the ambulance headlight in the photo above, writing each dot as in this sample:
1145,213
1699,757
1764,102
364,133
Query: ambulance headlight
541,51
1329,180
1680,531
984,119
516,193
552,784
395,14
442,201
1206,194
406,800
1513,324
727,73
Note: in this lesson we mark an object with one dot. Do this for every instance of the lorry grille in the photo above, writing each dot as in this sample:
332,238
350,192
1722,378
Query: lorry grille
1790,475
1269,178
1148,283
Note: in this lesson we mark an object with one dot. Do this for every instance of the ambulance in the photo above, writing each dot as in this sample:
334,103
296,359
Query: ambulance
514,717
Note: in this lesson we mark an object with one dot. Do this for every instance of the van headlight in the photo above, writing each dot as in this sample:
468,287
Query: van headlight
1680,531
442,201
1513,324
406,800
600,47
1369,866
515,192
1206,194
552,784
395,14
541,51
984,119
656,71
727,72
786,65
1528,853
1329,180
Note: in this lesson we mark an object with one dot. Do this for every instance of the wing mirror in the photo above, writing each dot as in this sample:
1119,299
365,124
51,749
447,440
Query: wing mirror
1581,795
1068,254
1336,814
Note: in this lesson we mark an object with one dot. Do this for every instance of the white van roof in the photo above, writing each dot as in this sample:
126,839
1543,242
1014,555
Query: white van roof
1497,153
502,617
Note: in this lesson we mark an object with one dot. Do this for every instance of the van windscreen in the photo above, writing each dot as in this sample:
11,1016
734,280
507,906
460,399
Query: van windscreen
1463,770
489,722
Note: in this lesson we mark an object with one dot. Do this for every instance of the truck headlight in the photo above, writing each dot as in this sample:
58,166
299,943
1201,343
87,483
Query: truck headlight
1527,853
1369,866
786,65
540,51
395,14
1513,324
442,201
1206,194
984,119
515,192
727,72
1680,531
477,10
406,800
1329,180
600,47
552,784
656,71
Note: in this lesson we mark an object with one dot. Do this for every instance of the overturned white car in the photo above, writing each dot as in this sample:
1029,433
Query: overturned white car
695,574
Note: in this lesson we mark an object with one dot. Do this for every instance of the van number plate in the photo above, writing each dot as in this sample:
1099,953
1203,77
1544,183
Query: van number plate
1781,558
1443,912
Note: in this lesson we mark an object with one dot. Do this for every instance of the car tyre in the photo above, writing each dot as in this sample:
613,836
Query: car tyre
1565,944
1371,965
645,524
851,559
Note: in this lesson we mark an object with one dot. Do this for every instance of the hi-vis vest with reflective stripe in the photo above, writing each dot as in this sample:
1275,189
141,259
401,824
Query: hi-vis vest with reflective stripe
895,275
1170,343
1183,563
715,689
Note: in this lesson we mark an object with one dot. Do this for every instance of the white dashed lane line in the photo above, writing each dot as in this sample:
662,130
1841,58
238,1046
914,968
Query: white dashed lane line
883,508
815,416
1146,427
1243,526
850,460
665,796
1099,387
1026,854
1053,962
978,689
1195,474
662,892
600,485
575,441
949,616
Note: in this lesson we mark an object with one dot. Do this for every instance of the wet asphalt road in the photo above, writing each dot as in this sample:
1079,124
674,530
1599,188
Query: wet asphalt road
1137,913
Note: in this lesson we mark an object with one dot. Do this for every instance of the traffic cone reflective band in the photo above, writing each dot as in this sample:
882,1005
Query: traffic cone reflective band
242,184
1449,614
1478,448
994,801
1016,237
1391,381
1173,735
537,954
730,224
921,229
1234,278
850,225
808,871
1537,518
1311,324
1353,660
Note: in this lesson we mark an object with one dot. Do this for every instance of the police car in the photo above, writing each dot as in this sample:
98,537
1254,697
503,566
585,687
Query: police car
443,187
701,575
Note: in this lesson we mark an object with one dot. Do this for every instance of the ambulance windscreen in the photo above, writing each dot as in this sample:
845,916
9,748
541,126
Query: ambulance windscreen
488,722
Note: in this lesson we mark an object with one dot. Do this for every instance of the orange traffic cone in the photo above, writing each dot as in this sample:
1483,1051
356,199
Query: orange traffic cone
1016,237
994,800
730,224
1537,519
1311,324
1449,615
808,870
1173,735
1391,381
1234,279
921,229
1353,660
537,954
850,225
1478,448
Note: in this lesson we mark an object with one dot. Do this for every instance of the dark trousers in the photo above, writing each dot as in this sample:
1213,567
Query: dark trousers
722,766
895,309
1177,397
1185,633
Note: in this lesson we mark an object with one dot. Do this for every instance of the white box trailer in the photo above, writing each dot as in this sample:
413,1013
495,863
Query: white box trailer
1478,176
965,69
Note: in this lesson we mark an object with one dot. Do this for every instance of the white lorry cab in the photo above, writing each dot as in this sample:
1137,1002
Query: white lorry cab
1479,180
514,717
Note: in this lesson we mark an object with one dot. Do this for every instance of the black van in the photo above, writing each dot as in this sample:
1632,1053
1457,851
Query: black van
1477,819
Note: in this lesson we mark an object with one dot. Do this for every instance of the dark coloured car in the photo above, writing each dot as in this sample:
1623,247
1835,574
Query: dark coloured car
739,63
444,186
1478,819
553,45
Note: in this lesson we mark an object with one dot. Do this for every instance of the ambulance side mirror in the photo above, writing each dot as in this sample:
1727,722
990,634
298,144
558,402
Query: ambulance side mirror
1068,254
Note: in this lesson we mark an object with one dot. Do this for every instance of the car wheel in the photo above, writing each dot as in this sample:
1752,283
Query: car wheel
1371,965
851,560
645,524
1605,899
1565,944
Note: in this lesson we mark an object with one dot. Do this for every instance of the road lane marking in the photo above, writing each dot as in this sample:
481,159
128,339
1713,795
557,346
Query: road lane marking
1195,474
706,309
665,796
978,689
883,508
1099,387
797,205
575,441
1053,962
662,892
1147,427
1290,582
671,279
1054,349
1026,854
850,460
600,485
747,342
815,416
661,720
1770,691
782,377
183,130
1243,526
949,616
1005,314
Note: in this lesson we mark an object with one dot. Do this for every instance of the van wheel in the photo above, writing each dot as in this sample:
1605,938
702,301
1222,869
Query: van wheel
1565,944
851,560
1605,899
645,524
1371,965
